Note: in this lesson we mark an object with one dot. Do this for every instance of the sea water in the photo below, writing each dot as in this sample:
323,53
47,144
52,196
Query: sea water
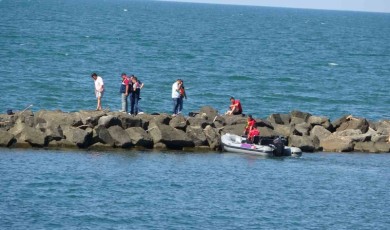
274,60
173,190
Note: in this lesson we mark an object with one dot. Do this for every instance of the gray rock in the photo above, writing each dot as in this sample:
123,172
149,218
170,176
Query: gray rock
210,112
299,114
267,132
372,147
235,119
301,129
320,132
282,130
305,143
179,122
213,138
197,135
171,137
237,129
90,118
24,133
379,138
81,138
6,139
120,136
103,136
128,121
280,119
108,121
354,123
200,122
139,137
337,144
219,122
57,118
323,121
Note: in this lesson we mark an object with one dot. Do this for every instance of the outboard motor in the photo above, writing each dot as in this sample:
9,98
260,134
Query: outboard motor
279,147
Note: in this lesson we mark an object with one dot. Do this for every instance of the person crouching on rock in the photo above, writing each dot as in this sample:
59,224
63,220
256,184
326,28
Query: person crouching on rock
254,132
235,107
249,126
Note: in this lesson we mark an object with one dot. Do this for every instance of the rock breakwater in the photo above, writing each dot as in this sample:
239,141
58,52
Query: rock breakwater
106,130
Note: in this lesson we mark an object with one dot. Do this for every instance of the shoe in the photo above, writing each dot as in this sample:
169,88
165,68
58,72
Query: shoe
174,115
141,113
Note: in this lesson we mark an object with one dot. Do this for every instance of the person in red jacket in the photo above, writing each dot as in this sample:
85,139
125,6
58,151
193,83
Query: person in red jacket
254,132
250,123
235,107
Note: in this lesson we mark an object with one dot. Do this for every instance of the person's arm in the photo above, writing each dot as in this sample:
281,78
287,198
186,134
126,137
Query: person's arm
141,85
127,90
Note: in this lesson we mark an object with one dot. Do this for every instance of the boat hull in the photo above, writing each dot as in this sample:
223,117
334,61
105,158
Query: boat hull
236,144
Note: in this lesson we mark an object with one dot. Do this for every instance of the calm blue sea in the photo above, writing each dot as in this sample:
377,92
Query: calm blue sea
145,190
274,60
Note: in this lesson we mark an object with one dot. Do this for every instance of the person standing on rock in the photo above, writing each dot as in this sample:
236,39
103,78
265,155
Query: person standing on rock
250,124
135,95
124,90
183,95
99,90
176,96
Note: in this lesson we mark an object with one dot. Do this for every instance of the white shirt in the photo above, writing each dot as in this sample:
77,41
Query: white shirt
99,84
175,91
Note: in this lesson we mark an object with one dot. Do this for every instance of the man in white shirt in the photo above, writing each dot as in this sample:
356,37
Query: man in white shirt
176,96
99,90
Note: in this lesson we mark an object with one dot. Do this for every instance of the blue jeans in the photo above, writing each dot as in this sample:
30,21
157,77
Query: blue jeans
176,105
125,104
134,104
181,104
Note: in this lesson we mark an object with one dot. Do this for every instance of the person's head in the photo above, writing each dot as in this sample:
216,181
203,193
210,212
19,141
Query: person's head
134,79
94,76
124,75
232,99
250,117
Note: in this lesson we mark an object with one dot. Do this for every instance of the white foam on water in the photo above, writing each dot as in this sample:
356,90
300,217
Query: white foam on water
333,64
125,10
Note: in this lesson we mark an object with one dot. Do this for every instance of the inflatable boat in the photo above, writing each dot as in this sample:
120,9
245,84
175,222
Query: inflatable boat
261,146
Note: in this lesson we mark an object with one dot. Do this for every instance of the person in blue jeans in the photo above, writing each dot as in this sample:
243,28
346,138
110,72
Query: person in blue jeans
176,98
183,95
135,95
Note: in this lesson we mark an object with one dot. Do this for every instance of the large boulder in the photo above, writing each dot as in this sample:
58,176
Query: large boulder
335,143
80,137
90,118
298,117
282,130
372,147
219,122
26,134
179,122
120,136
213,137
322,121
171,137
6,139
102,135
320,132
197,135
200,122
139,137
209,113
237,129
128,121
354,123
57,118
280,119
235,119
108,121
301,129
305,143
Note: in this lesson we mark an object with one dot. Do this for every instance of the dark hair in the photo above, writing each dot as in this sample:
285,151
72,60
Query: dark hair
231,98
94,75
123,74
